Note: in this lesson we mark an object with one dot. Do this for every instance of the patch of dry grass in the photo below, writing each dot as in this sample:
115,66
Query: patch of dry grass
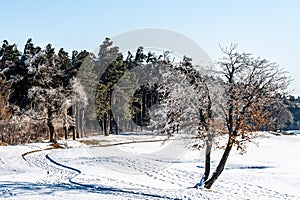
53,146
29,152
3,144
89,142
56,146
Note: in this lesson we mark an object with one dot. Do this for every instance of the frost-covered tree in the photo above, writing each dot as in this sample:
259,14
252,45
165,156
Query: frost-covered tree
186,106
38,85
250,86
41,85
47,94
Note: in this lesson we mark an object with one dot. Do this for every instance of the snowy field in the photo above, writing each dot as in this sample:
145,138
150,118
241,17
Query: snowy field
129,166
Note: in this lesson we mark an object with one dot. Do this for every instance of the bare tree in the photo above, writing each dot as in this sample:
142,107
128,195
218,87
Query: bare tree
250,86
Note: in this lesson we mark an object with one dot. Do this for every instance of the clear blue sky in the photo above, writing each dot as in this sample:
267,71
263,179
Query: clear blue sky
270,29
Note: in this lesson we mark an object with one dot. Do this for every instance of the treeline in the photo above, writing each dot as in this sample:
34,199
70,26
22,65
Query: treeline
294,107
48,94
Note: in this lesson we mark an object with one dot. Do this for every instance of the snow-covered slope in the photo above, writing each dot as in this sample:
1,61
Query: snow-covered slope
137,169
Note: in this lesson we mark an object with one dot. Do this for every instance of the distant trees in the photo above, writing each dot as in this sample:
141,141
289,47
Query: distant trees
293,105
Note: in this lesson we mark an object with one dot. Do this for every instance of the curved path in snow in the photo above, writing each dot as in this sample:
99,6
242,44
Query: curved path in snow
57,173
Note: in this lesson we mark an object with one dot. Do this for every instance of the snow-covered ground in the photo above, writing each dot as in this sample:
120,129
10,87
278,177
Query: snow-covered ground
131,166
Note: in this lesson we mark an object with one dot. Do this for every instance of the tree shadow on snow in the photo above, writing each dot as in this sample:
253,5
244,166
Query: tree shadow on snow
248,167
20,189
243,167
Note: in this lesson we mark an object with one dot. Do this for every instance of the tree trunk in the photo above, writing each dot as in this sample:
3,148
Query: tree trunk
65,132
74,132
50,125
73,114
118,124
207,162
80,122
65,126
221,164
110,116
105,125
82,119
141,123
117,127
207,159
101,126
110,120
77,116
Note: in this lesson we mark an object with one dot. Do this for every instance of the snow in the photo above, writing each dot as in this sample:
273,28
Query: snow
128,167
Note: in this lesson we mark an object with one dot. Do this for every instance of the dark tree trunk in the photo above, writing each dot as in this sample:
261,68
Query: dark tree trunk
207,159
72,112
101,126
204,123
221,164
110,120
74,134
77,132
117,129
205,176
207,163
65,131
106,133
110,115
50,125
231,138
